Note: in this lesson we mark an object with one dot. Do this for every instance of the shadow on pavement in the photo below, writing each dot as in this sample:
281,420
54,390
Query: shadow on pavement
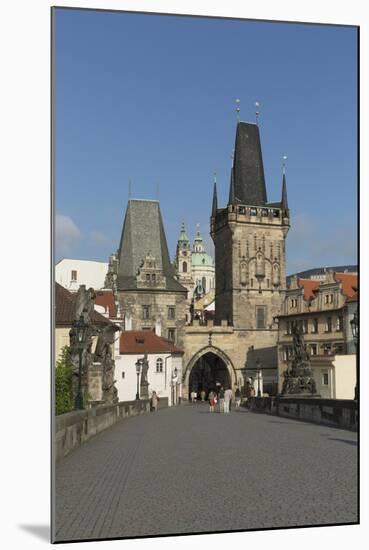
348,441
40,531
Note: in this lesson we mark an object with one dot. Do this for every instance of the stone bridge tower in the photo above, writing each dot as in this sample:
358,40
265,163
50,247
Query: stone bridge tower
249,237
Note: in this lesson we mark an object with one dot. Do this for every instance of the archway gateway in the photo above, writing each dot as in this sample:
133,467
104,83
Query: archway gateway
208,369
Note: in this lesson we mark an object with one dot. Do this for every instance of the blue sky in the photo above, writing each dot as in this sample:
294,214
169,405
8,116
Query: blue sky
152,99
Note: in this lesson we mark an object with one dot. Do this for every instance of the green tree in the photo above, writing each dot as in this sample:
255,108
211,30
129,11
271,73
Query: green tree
63,382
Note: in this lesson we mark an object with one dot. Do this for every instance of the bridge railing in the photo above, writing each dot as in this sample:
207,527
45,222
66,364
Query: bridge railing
342,413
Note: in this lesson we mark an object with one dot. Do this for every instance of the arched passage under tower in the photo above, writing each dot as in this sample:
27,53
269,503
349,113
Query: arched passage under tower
208,369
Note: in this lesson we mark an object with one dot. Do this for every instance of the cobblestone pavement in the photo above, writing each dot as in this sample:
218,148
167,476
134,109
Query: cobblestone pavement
184,470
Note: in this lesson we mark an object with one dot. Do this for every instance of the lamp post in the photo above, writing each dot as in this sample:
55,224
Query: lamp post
174,381
138,370
355,333
80,327
258,375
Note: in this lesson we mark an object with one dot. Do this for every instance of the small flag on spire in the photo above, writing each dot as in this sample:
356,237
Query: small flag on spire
238,109
284,164
257,112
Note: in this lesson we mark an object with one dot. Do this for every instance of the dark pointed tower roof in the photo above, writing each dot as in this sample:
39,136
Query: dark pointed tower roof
248,171
231,199
143,234
284,201
215,199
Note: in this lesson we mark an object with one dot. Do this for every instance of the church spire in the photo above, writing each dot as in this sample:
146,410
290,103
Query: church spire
231,189
284,201
215,197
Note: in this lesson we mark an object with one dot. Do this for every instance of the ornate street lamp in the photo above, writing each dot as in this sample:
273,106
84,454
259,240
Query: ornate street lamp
80,328
138,370
258,366
355,333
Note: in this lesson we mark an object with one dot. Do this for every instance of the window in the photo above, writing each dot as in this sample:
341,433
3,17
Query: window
287,353
153,278
339,326
328,324
253,211
328,299
171,313
314,327
313,349
327,349
260,317
171,334
325,379
288,327
184,267
305,326
123,374
73,276
145,312
147,277
293,302
159,365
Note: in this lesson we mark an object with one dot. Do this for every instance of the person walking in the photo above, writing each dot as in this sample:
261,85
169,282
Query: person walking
211,398
154,401
237,396
202,395
227,399
221,400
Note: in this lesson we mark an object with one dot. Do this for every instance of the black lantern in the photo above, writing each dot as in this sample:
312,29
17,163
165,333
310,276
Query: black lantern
138,370
80,328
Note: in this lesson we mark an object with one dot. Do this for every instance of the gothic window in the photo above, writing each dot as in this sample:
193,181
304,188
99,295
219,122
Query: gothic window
243,277
159,365
184,267
171,313
145,312
171,334
260,316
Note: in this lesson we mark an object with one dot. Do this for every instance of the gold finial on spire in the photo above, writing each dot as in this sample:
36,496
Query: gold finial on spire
257,112
284,164
238,109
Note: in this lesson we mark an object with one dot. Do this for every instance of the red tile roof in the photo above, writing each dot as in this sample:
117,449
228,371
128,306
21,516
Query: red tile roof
65,307
309,286
141,341
105,298
349,283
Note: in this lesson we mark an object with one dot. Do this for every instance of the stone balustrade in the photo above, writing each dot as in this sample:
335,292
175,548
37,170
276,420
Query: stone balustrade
74,428
341,413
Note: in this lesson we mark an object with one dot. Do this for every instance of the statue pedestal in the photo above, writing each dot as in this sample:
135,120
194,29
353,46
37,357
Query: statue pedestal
144,390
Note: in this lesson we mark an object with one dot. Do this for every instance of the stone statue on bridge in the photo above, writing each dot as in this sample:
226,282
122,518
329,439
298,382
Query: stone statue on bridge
298,377
144,386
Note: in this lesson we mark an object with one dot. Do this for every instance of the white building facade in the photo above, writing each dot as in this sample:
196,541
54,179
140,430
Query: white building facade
73,273
164,374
